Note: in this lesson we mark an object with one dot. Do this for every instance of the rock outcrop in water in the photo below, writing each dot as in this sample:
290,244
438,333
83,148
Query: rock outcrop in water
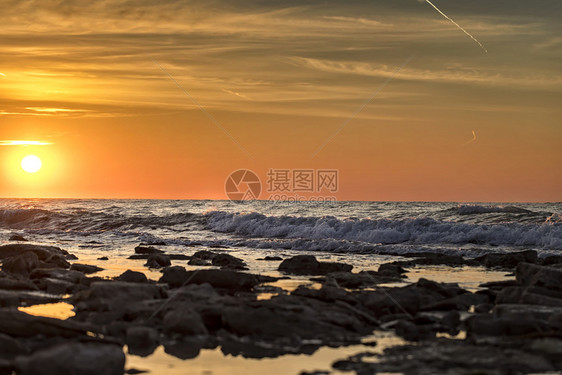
506,327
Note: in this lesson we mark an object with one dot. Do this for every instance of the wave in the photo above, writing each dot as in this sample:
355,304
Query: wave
418,231
91,221
476,209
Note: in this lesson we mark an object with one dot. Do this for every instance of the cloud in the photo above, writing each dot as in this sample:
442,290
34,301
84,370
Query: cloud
458,75
24,143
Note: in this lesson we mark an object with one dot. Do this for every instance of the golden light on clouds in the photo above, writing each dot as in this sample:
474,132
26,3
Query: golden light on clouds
280,78
24,143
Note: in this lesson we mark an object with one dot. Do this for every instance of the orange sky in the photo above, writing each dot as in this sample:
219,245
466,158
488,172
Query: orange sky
279,80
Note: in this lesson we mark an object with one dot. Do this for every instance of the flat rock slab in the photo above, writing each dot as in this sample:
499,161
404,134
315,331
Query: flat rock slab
74,358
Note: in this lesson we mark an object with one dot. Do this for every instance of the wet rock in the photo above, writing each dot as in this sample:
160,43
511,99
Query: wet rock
227,261
409,299
17,237
461,302
221,279
184,322
552,260
142,341
11,348
532,274
74,358
115,295
42,252
147,250
308,265
16,284
271,258
326,293
18,324
132,277
413,332
199,262
174,276
487,325
56,286
224,261
85,268
283,317
535,311
158,261
508,260
74,277
453,357
56,261
391,270
21,264
431,259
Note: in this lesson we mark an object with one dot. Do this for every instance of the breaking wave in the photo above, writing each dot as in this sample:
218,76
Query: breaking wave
422,231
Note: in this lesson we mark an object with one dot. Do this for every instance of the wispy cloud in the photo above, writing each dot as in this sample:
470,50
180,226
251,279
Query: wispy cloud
24,143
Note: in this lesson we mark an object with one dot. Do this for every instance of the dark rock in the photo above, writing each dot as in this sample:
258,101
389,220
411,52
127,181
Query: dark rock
21,264
272,258
285,317
56,286
184,322
11,348
487,325
142,341
115,295
308,265
134,371
453,357
413,332
158,261
174,276
227,261
508,260
551,260
431,259
14,284
74,277
391,270
171,256
57,261
460,302
17,237
42,252
18,324
103,258
74,358
147,250
85,268
204,255
132,277
532,274
199,262
222,279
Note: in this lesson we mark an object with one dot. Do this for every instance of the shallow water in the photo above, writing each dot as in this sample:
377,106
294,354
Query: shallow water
213,361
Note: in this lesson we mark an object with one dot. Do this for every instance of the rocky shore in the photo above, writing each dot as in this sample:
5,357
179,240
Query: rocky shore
511,326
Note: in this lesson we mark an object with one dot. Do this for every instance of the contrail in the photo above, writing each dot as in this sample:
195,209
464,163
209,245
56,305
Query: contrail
457,25
472,140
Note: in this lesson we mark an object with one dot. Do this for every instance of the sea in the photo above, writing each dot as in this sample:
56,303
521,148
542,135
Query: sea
345,228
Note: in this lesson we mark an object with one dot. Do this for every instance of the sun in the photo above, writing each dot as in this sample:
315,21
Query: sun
31,164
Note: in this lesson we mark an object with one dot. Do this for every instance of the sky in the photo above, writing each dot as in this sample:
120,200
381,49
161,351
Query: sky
164,99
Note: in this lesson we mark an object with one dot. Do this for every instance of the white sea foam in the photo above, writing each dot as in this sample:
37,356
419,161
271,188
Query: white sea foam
421,231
